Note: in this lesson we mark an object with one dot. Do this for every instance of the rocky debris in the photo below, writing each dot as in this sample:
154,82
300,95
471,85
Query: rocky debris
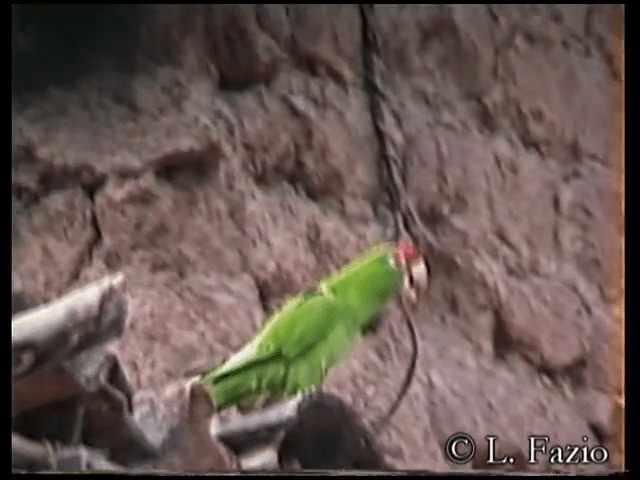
234,161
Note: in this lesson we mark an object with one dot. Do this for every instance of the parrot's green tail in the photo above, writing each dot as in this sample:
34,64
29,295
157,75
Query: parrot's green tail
249,381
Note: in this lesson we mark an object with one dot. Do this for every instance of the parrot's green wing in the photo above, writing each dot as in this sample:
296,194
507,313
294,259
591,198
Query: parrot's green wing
255,351
304,327
310,333
309,370
286,333
291,353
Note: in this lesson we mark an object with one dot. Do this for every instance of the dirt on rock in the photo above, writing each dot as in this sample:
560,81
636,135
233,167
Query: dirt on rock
225,157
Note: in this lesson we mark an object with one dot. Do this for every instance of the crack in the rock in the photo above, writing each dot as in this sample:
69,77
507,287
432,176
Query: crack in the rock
169,167
598,433
573,286
263,297
51,178
502,341
96,235
557,217
288,13
95,223
441,176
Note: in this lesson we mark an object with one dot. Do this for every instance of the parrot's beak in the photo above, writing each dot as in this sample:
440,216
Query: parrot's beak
416,279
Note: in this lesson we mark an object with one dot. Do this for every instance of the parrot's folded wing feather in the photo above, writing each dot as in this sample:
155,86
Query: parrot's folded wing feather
302,323
248,355
309,369
306,326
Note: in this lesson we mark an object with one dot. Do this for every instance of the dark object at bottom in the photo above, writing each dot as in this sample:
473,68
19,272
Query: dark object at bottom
315,432
328,435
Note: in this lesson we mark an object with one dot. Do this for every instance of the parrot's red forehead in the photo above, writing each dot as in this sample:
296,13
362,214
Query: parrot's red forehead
406,251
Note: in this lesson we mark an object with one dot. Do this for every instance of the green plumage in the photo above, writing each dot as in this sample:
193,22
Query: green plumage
312,332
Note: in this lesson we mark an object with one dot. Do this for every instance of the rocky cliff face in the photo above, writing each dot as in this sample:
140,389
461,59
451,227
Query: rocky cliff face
226,157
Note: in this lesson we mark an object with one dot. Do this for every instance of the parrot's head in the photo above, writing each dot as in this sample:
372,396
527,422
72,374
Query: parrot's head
415,270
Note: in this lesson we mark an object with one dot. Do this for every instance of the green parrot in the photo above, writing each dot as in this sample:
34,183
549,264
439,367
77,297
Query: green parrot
312,331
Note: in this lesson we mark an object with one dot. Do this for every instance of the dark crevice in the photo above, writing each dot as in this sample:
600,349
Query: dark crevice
435,217
263,296
184,169
19,302
442,181
53,422
375,326
27,197
289,14
584,303
599,434
96,239
574,374
54,178
557,210
502,342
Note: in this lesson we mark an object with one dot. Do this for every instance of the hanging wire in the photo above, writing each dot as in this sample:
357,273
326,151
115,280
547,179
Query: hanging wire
382,117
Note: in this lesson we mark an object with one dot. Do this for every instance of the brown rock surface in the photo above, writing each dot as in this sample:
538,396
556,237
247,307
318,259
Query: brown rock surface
234,161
